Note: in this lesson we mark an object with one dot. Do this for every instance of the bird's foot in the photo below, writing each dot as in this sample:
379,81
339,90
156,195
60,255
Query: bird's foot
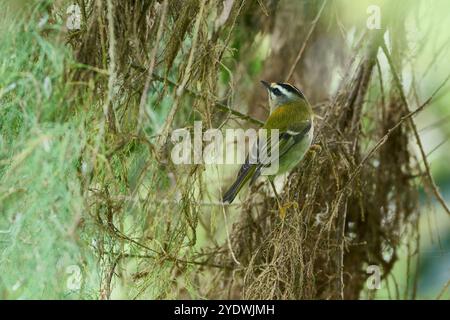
283,208
315,148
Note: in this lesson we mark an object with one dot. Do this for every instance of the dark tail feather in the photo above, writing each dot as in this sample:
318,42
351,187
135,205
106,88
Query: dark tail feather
235,188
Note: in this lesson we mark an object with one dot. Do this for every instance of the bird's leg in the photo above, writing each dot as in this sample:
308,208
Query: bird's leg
281,209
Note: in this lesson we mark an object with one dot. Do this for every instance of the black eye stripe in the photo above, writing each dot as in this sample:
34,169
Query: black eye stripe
276,92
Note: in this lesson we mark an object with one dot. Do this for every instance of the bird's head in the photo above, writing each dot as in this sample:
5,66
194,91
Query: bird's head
281,93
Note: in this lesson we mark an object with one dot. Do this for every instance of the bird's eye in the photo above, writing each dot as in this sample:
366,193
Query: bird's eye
276,92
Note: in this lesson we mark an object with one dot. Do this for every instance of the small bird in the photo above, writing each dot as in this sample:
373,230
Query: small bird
292,115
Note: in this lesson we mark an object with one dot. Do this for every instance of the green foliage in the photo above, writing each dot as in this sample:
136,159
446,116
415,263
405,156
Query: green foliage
41,203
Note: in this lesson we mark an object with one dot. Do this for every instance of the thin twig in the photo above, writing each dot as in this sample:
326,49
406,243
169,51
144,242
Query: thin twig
433,185
444,289
180,89
219,105
230,247
302,49
175,260
152,64
109,112
390,131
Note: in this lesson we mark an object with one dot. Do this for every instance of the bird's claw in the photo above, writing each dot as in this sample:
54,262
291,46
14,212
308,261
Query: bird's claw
315,148
282,209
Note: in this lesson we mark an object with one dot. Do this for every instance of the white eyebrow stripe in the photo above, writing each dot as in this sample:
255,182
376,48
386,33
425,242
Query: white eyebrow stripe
283,90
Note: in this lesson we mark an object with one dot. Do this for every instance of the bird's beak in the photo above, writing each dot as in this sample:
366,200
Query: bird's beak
265,84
